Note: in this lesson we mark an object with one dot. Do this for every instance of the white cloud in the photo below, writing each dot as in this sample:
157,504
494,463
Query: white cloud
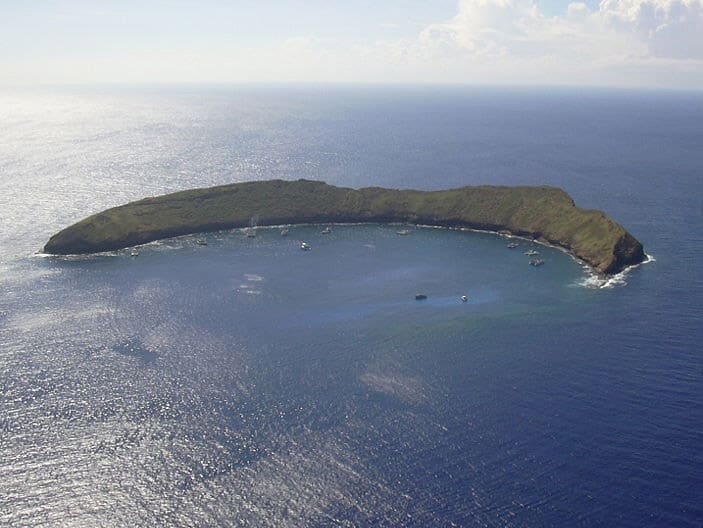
495,28
670,28
651,43
516,35
622,42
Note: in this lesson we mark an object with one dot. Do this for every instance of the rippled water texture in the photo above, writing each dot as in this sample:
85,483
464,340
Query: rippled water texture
248,383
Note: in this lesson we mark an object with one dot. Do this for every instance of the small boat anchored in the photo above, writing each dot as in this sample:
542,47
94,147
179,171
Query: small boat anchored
134,253
512,245
201,242
251,230
420,297
536,262
531,253
305,246
464,298
403,232
284,232
326,231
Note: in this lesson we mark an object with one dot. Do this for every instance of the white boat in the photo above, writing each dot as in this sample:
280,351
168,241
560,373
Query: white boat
201,242
403,232
251,230
134,253
464,298
326,231
284,232
512,245
305,246
531,253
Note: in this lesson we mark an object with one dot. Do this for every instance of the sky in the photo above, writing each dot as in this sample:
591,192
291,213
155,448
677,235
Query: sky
618,43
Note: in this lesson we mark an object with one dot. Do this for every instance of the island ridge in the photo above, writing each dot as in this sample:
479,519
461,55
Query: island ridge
546,214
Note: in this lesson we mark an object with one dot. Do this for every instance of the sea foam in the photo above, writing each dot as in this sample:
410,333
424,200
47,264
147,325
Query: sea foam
594,280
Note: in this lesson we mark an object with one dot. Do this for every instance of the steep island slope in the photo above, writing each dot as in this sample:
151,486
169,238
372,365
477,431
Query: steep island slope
547,214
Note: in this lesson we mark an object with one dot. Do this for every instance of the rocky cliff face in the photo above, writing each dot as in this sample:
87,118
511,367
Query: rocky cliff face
627,252
544,213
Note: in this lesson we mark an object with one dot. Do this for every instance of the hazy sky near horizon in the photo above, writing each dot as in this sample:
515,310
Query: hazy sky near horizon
628,43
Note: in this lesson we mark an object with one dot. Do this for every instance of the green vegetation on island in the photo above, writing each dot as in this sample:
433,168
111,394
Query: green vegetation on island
546,214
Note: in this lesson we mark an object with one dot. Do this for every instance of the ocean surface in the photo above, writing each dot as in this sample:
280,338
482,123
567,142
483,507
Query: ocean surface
248,383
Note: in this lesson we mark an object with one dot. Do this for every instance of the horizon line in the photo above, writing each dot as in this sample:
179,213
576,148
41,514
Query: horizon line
341,84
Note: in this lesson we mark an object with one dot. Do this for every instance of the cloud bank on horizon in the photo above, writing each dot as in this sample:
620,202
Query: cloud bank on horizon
637,43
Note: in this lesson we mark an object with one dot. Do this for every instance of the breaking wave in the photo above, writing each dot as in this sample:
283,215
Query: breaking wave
596,281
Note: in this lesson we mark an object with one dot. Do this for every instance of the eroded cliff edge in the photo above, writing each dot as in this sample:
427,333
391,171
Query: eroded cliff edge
545,213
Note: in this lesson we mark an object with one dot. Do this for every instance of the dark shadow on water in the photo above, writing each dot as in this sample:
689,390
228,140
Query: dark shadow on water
134,348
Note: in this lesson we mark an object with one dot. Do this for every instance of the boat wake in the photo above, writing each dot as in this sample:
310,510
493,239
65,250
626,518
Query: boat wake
596,281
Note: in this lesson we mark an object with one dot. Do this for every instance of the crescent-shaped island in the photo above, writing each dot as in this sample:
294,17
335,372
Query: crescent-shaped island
545,214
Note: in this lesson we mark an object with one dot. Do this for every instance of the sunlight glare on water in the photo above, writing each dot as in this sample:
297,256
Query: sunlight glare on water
248,383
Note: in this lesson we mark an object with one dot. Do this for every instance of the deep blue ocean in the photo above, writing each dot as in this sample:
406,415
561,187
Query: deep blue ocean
248,383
